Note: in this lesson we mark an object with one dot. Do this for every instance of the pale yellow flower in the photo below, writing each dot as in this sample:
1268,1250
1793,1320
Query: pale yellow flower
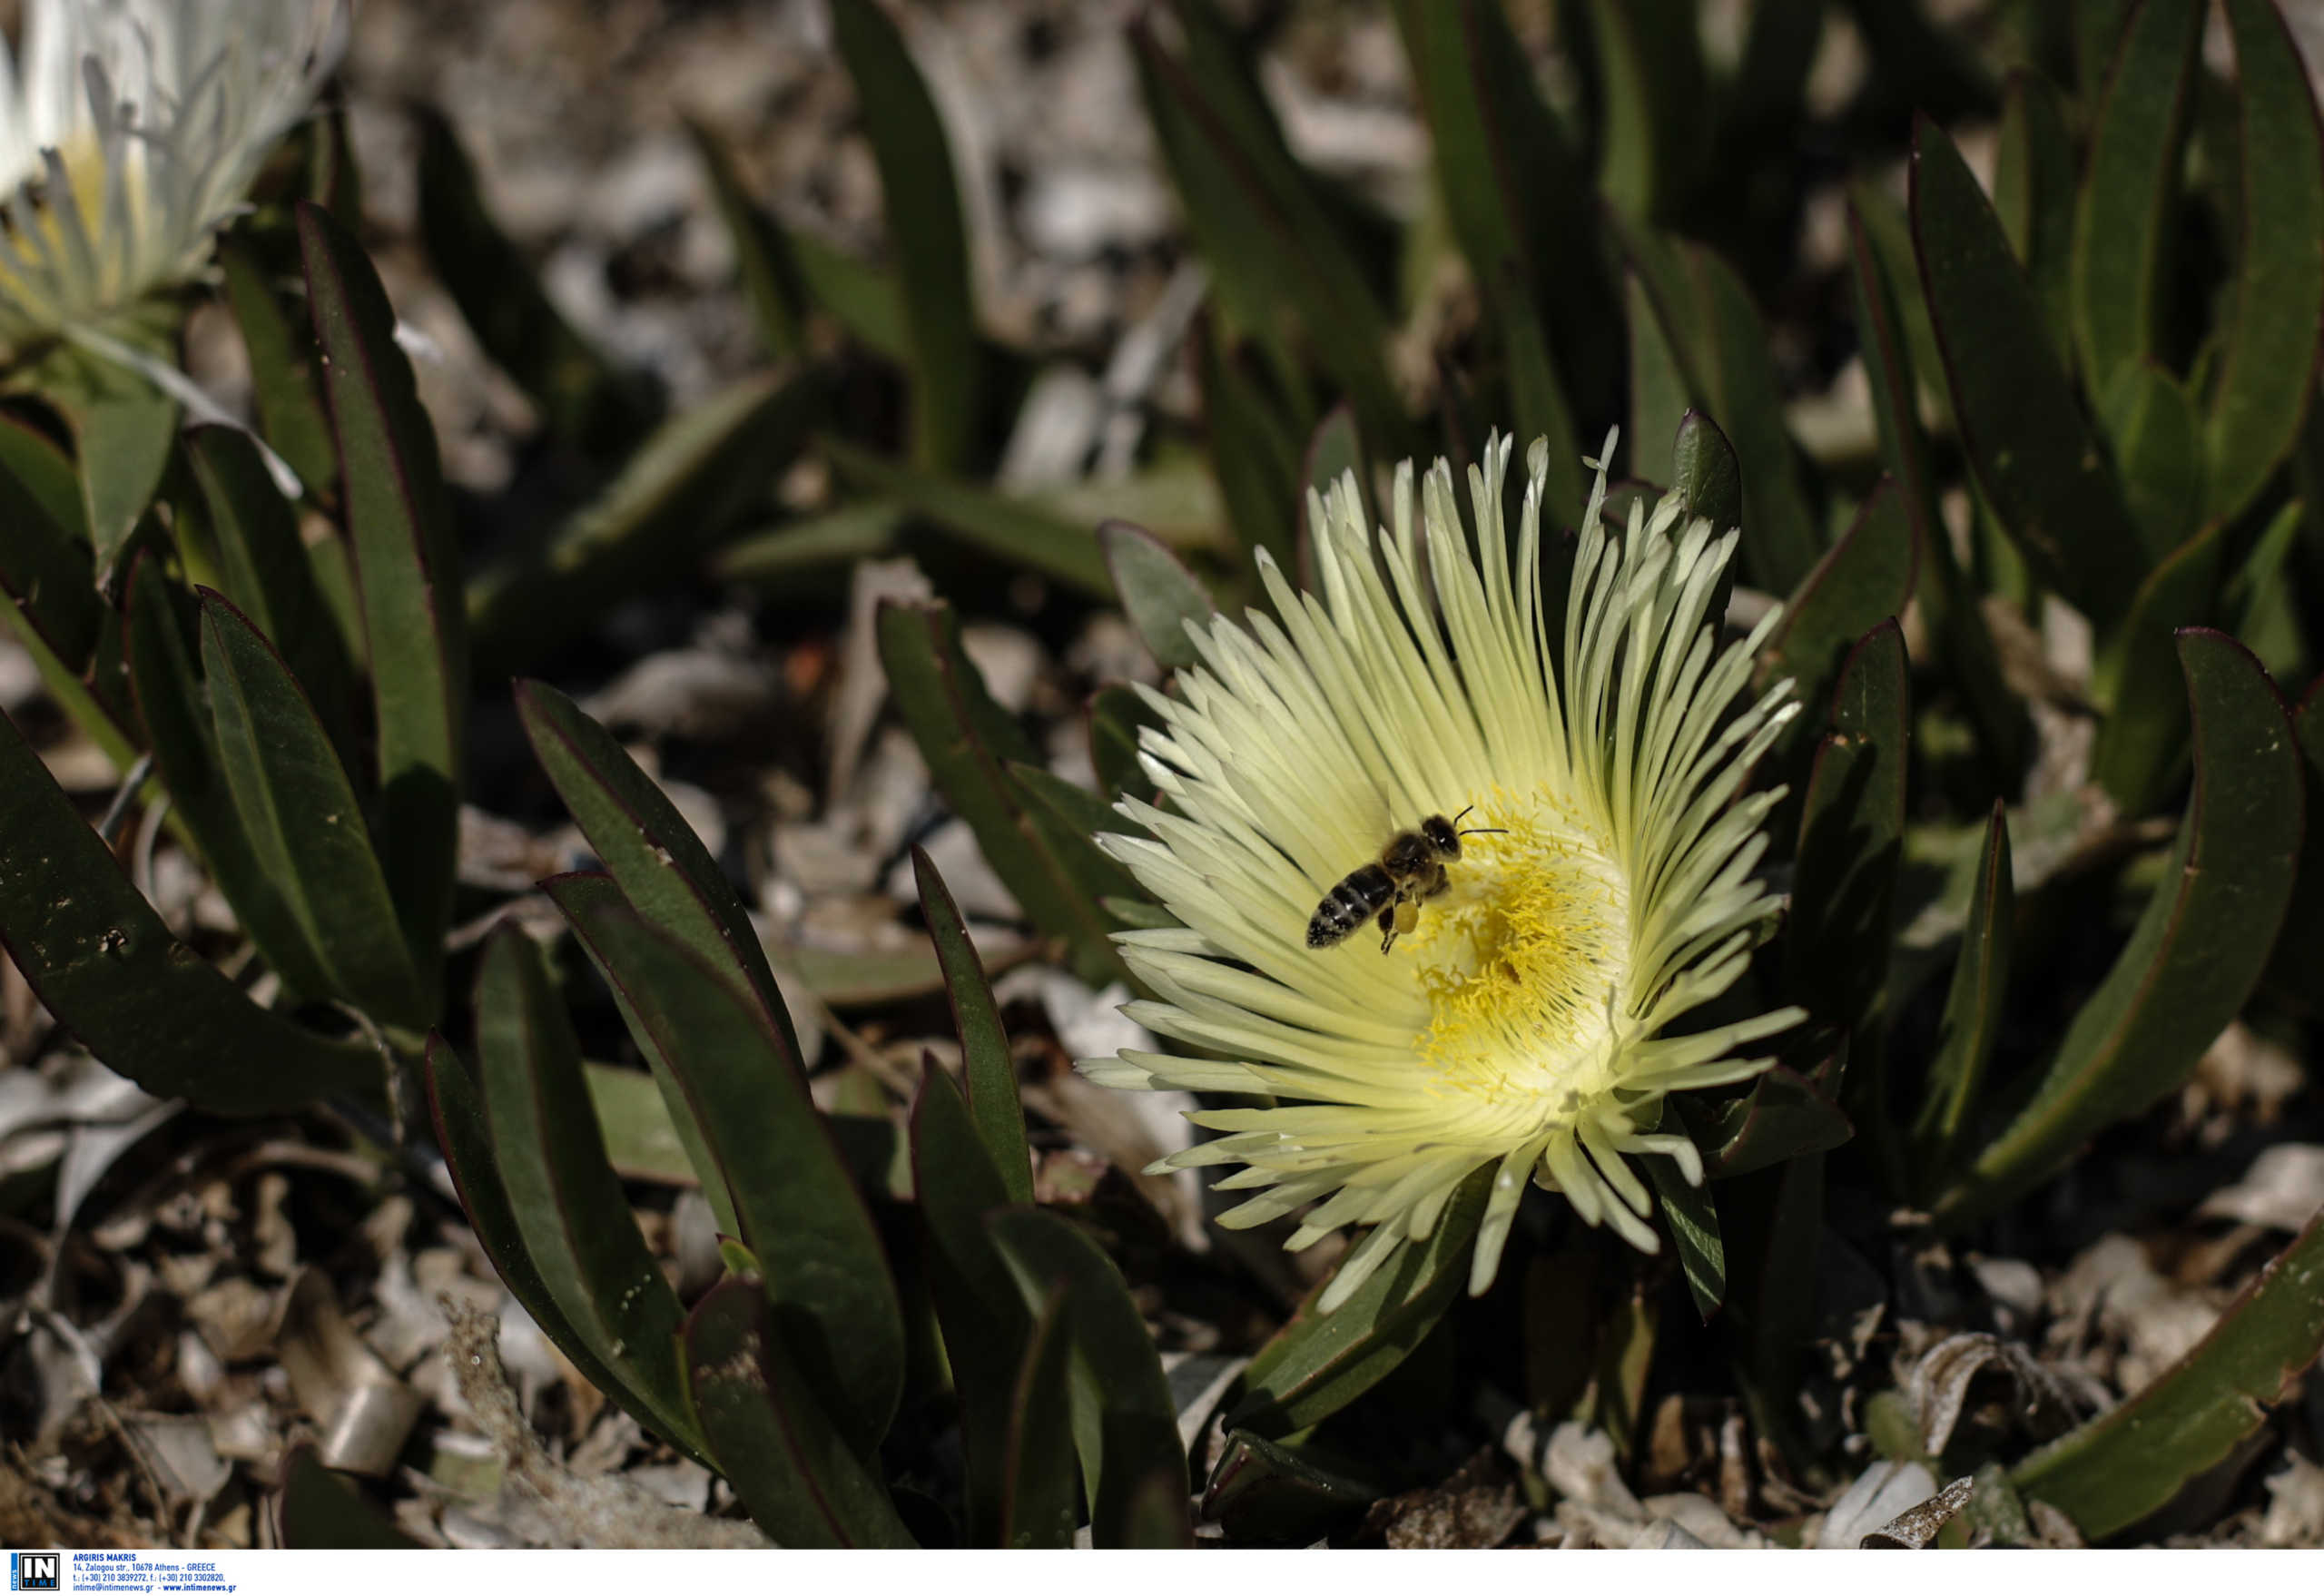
1522,1023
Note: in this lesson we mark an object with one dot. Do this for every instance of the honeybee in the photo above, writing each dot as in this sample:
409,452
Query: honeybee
1389,890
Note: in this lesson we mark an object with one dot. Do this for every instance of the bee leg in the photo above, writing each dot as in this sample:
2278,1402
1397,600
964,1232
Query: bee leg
1388,927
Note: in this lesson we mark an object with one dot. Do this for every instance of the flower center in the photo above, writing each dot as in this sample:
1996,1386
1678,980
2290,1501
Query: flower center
1519,956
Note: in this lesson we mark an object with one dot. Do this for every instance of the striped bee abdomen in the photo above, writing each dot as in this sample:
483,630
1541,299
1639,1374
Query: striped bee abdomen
1348,905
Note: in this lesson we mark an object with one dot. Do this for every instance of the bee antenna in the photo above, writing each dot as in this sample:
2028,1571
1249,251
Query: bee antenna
1475,830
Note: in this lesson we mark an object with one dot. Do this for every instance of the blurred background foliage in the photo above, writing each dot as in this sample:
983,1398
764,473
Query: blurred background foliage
1993,326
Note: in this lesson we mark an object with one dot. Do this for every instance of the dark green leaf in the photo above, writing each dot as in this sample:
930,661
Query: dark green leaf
1863,579
263,567
583,397
685,486
2263,383
2035,170
2123,226
800,1212
2129,1462
2199,949
969,744
762,257
2040,469
642,1141
1658,383
923,218
1116,714
985,1058
1704,473
1786,1115
2141,748
1336,450
1005,527
832,540
2158,451
1973,1009
1691,1216
1272,1495
284,386
465,1141
1254,457
305,825
321,1510
2300,953
800,1482
409,567
98,957
1319,1363
173,702
1070,818
1120,1400
122,428
45,564
1650,65
1042,1503
1158,593
575,1224
862,298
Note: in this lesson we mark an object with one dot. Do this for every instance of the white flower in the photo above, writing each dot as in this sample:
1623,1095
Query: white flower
128,133
1518,1022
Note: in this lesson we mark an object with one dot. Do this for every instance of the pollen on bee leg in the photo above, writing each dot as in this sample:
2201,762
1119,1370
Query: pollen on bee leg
1407,916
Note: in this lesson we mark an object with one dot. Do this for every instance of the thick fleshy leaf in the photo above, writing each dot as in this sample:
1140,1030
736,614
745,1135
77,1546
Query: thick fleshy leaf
800,1212
574,1223
462,1133
410,570
45,567
2300,953
832,541
968,743
1945,597
582,397
1658,383
1973,1010
759,1412
1007,528
2035,173
1319,1363
763,258
1070,816
1254,455
2141,748
2159,450
263,567
1123,1422
923,209
1704,473
2129,1462
1116,714
1268,1495
1042,1504
321,1511
985,1058
863,299
1863,579
1785,1115
1158,593
150,1007
2124,223
176,708
1650,70
2199,949
284,386
2263,387
305,824
123,429
2042,472
642,1141
687,486
1691,1216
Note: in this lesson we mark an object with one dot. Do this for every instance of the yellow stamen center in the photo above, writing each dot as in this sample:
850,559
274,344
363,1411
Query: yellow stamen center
1519,957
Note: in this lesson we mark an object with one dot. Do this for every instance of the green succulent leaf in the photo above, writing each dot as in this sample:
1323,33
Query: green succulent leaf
1972,1010
803,1483
2300,951
2123,226
1863,579
1691,1216
771,279
1265,1493
2141,748
2040,469
1650,60
688,485
1253,456
2199,949
284,387
122,430
100,960
2159,450
2035,173
923,216
1319,1363
1117,715
985,1060
1042,1504
46,568
583,397
574,1223
1158,593
1007,528
2279,299
1704,473
800,1212
1124,1426
2129,1462
1786,1115
970,743
401,528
